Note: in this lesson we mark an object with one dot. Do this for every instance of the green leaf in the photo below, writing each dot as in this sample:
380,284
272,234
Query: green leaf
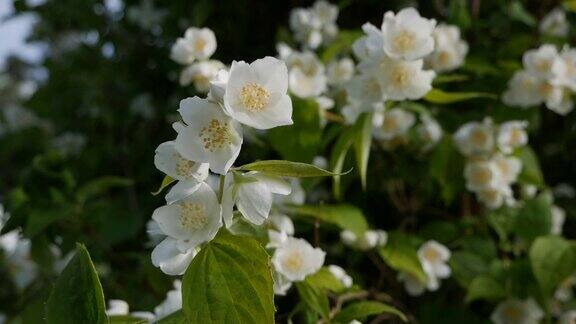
175,318
39,219
165,183
438,96
553,259
486,288
77,296
338,157
447,167
569,5
283,168
100,185
362,143
324,279
466,266
315,298
126,319
229,281
343,42
400,254
361,310
531,172
301,140
344,216
534,218
518,12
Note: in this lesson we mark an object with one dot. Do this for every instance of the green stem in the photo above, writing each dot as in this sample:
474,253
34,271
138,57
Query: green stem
221,188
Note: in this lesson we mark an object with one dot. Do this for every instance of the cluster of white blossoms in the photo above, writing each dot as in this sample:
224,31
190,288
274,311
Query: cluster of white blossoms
434,259
194,51
548,76
370,239
172,303
306,73
392,60
316,25
555,23
517,311
294,258
490,168
397,126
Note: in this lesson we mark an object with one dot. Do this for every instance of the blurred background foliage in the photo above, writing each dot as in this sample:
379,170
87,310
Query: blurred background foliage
107,75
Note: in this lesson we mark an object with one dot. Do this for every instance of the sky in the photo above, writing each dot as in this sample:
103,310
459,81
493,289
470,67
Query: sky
13,32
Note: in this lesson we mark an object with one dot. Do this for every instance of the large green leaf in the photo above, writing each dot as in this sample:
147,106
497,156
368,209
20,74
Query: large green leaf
126,319
466,266
486,288
438,96
175,318
287,169
361,310
400,254
314,298
344,216
362,142
534,219
300,141
229,281
553,259
77,296
531,172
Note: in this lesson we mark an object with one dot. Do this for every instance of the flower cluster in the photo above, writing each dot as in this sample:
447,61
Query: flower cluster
306,73
491,168
433,257
549,77
316,25
194,51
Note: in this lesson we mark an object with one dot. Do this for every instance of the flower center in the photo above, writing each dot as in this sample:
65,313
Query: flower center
192,216
254,97
199,44
293,261
404,41
444,58
482,175
390,123
479,137
215,135
515,136
543,66
431,255
183,167
512,314
401,76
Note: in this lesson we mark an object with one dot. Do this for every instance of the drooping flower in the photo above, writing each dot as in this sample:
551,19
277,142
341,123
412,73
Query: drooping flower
256,93
208,136
518,312
252,194
407,35
197,44
296,259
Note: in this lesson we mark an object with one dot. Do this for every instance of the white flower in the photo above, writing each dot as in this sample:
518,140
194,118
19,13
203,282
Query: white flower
252,194
296,259
558,217
363,91
155,234
218,86
306,77
396,123
256,93
340,71
117,307
401,80
172,303
370,46
545,63
296,197
307,27
434,257
407,35
515,311
450,51
281,228
325,12
475,138
281,284
172,259
482,175
494,198
340,274
430,131
524,90
209,136
190,221
568,317
568,56
369,240
168,160
555,23
413,286
17,251
512,135
509,167
558,99
197,44
200,74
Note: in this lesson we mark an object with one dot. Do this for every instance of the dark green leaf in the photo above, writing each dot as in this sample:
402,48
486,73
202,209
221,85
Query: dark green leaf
361,310
553,259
